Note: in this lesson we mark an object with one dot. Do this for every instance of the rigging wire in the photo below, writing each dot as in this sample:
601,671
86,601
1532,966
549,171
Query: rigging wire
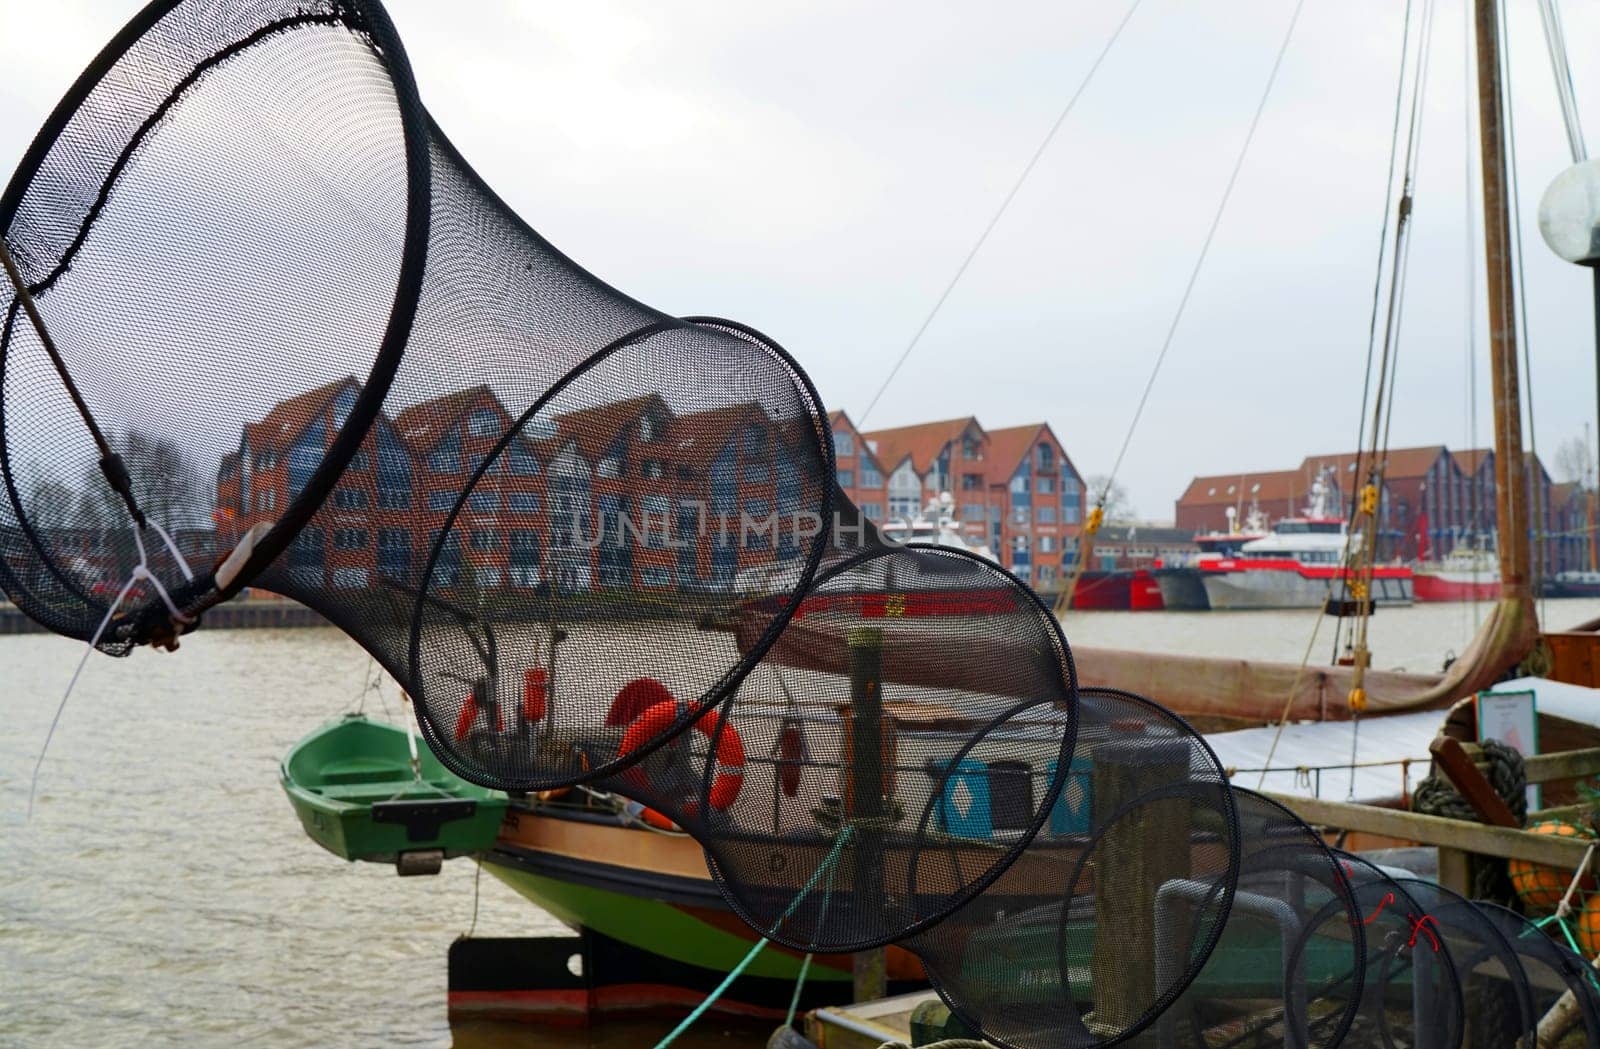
1091,525
1383,401
1468,80
1555,41
1533,468
1377,273
1005,204
1205,248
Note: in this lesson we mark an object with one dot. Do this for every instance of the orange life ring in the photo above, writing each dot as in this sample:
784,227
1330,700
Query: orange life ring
730,754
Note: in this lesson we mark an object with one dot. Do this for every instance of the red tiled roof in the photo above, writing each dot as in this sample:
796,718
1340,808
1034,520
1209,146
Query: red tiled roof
1403,462
422,425
1240,488
1008,447
287,418
1471,459
697,438
595,428
922,442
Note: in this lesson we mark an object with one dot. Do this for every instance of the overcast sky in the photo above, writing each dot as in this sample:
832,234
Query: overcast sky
819,171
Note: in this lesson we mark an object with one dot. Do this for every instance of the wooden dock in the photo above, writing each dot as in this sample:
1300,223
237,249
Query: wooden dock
866,1025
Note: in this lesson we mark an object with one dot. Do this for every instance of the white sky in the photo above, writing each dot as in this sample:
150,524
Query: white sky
819,170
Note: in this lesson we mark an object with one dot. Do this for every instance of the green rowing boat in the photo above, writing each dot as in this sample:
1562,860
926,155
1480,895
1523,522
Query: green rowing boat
365,791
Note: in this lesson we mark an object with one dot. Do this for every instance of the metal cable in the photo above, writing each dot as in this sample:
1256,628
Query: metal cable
1205,248
1004,204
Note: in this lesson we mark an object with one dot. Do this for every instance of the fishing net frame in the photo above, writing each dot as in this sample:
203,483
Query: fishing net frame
374,22
1030,603
202,38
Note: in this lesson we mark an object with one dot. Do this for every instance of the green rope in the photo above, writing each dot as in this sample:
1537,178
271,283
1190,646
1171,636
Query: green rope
799,984
700,1010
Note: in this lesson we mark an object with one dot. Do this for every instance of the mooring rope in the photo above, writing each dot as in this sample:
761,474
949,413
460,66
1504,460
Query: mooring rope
141,572
826,866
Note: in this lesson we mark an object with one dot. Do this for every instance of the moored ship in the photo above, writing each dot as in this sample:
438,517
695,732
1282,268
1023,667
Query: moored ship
1299,565
1462,575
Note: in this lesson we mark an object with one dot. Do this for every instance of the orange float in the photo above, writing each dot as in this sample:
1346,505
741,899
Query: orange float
1541,887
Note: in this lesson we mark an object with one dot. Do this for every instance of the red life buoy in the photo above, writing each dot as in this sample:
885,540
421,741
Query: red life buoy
730,754
636,697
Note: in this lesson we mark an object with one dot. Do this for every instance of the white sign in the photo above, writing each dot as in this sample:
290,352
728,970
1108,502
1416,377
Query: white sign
1513,719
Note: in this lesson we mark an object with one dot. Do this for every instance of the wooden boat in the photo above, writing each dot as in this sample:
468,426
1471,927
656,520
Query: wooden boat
364,792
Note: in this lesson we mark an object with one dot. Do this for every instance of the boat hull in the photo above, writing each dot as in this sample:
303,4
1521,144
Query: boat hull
651,894
1182,589
1273,588
1455,586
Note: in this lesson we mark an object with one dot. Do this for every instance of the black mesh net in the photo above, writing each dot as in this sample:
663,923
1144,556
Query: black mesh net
322,345
1088,935
1411,997
1288,966
1494,984
1563,987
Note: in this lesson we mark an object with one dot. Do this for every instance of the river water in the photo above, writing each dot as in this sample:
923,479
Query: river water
163,894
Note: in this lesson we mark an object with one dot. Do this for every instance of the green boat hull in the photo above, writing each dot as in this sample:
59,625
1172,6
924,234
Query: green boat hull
352,786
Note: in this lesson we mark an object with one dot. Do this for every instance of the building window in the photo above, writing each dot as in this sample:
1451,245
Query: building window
847,478
523,464
1047,514
350,538
441,500
756,473
1021,485
485,539
843,444
349,499
653,469
362,460
655,575
755,442
1019,515
647,429
394,499
484,502
971,447
483,423
523,502
446,455
609,466
1047,485
1046,457
870,477
972,512
872,511
266,461
1047,544
971,482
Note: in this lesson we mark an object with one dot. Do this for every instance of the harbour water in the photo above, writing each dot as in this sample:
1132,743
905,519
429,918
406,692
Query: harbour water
163,894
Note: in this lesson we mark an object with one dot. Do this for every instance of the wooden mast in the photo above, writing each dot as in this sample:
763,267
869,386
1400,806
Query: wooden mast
1511,490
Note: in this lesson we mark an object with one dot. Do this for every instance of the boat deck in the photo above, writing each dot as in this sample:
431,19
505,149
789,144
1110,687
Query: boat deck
866,1025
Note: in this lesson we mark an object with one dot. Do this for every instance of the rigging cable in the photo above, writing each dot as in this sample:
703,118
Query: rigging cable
1396,293
1383,410
1470,256
977,245
1205,247
1555,41
1377,279
1097,513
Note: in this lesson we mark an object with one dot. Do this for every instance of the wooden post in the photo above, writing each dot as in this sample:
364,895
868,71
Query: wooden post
866,798
1146,847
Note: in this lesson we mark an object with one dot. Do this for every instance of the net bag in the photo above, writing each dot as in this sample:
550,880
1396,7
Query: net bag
844,800
1289,964
1411,996
1555,975
1085,939
322,358
1499,1003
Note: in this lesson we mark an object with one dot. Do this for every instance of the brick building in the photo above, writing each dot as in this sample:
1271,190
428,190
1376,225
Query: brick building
859,471
1014,490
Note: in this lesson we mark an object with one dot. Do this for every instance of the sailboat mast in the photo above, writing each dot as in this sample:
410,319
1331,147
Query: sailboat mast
1511,492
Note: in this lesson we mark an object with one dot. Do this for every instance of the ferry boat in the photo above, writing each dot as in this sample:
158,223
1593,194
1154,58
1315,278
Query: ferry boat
1298,564
1181,584
1575,583
1463,574
935,526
